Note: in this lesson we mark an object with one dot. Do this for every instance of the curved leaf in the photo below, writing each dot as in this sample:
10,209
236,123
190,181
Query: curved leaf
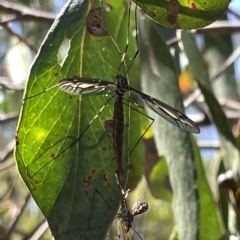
182,13
72,180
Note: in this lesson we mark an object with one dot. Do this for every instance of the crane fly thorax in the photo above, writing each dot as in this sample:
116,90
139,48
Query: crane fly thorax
121,85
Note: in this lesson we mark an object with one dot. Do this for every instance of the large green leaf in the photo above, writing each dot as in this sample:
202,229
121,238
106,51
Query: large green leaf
182,13
61,173
159,78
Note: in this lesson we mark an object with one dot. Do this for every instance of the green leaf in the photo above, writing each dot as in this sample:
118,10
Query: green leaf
182,13
72,181
160,180
223,201
209,221
159,78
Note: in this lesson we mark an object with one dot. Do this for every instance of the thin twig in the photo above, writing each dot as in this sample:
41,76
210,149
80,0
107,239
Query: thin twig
7,83
7,164
7,117
20,37
8,191
7,150
12,224
26,13
208,144
229,61
38,231
234,13
219,27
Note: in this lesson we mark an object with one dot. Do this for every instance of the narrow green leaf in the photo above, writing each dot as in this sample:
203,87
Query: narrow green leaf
159,79
223,201
62,172
209,221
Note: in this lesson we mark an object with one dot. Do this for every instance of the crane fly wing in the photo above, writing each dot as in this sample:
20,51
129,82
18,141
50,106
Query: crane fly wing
85,86
169,113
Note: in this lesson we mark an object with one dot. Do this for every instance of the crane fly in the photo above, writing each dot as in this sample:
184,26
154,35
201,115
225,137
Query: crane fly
127,217
87,86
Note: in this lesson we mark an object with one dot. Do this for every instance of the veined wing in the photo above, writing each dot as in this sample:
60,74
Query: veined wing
85,86
169,113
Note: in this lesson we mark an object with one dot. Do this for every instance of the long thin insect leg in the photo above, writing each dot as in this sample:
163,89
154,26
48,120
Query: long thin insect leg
85,230
127,40
96,191
145,115
95,117
44,91
136,53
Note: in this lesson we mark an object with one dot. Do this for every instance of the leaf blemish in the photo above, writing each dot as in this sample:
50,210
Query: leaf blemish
194,6
174,6
106,180
87,182
95,24
63,51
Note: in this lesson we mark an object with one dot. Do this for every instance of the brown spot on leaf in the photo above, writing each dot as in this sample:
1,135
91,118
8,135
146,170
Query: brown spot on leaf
174,6
106,179
87,182
173,19
108,125
16,138
194,6
95,24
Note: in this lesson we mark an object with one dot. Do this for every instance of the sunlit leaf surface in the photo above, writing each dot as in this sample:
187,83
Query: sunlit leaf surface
183,13
72,181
